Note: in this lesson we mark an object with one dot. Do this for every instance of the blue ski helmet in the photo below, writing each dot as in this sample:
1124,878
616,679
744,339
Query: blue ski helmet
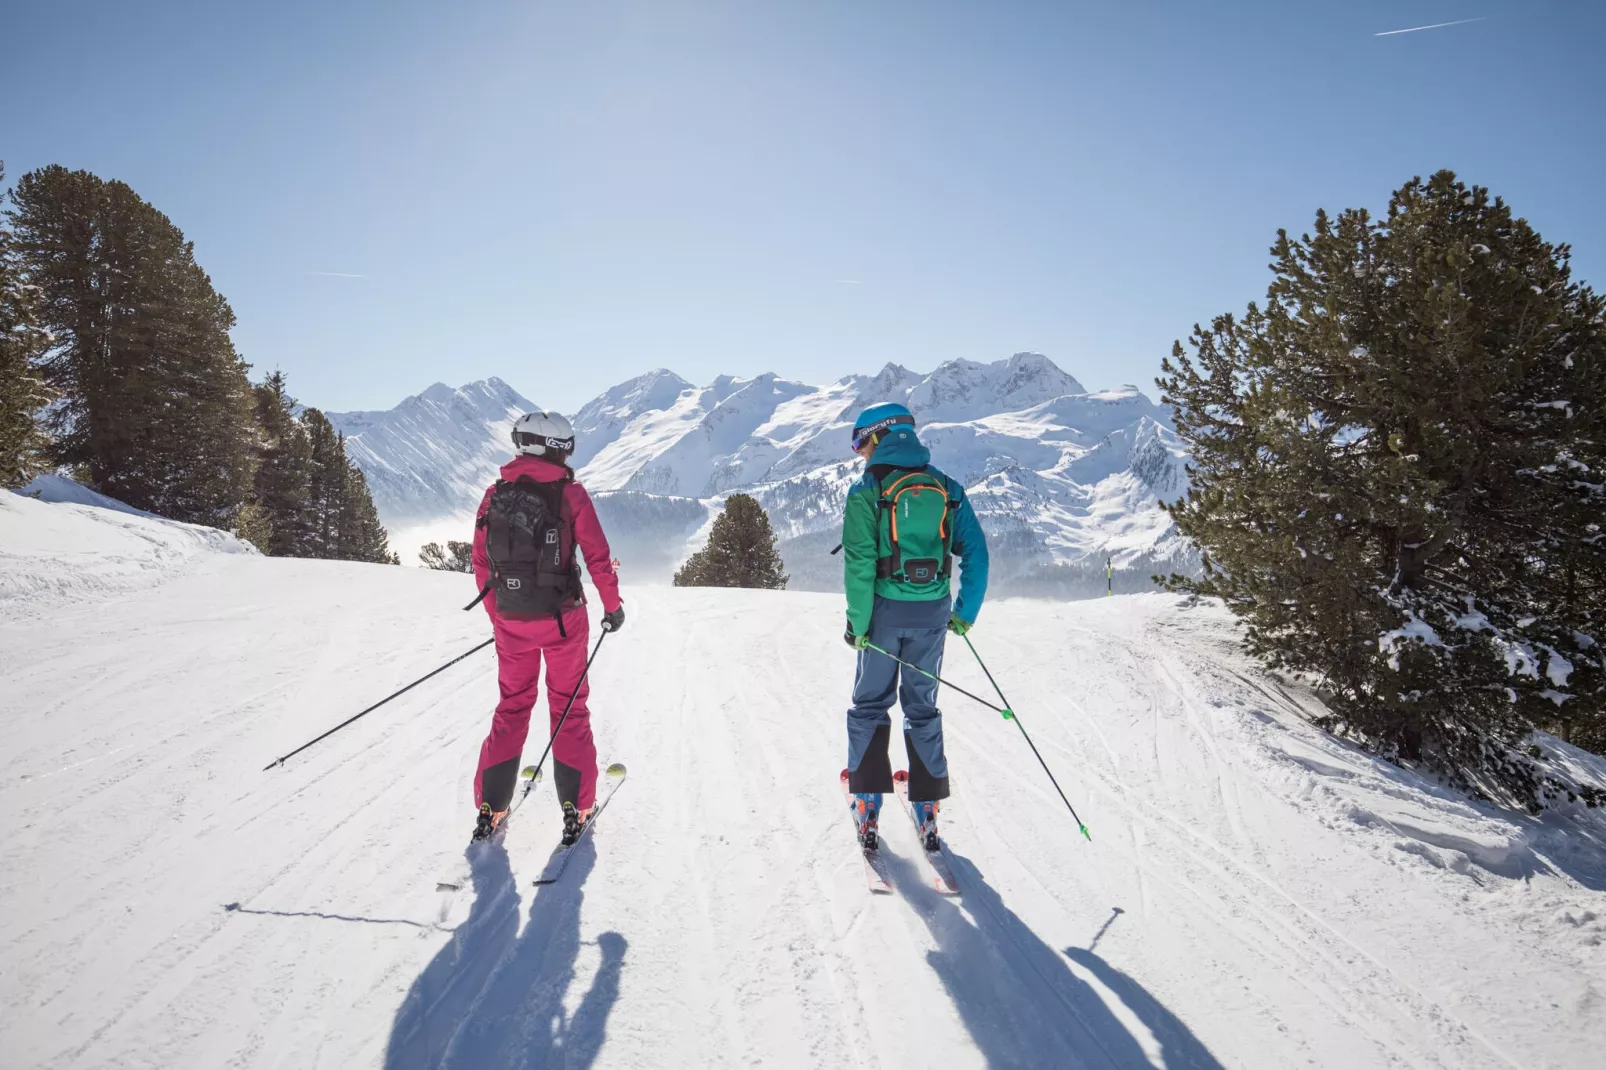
877,419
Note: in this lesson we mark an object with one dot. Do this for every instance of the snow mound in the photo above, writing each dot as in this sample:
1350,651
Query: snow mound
61,542
61,490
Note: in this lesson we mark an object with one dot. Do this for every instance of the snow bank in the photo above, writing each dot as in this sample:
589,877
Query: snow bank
70,543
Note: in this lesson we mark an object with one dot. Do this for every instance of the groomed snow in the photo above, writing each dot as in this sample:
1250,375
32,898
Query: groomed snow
1256,894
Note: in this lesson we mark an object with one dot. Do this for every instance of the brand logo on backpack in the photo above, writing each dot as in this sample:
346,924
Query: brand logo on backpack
529,538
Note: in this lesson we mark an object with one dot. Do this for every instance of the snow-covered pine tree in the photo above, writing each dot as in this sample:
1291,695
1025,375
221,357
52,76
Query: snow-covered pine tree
740,551
24,445
1399,482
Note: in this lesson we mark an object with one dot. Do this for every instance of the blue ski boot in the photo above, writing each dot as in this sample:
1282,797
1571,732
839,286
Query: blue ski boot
926,819
866,811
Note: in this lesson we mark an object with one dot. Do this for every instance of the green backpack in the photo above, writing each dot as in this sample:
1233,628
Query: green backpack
915,531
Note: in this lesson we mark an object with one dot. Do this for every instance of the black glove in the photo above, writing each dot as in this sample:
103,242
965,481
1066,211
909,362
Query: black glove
857,642
848,637
612,622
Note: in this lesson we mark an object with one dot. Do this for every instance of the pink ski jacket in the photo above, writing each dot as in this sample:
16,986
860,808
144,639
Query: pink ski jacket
588,536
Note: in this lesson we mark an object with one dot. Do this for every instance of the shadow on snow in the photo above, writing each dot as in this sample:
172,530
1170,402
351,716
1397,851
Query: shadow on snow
1019,998
494,998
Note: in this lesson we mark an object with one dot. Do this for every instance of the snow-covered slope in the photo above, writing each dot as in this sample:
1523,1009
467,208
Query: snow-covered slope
1256,895
1062,476
62,543
428,460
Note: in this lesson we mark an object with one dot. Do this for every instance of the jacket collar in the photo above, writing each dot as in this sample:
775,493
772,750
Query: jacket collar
540,469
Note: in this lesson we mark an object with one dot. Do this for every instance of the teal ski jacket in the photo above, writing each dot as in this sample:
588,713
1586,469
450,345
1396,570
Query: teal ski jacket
901,449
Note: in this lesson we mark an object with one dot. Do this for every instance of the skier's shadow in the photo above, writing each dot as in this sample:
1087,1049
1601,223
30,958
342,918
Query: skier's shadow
490,1000
1019,999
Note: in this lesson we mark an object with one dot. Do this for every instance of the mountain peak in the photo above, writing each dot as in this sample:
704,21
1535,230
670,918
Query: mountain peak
966,390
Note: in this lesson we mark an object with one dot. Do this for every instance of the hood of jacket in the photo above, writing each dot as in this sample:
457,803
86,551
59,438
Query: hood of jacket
901,448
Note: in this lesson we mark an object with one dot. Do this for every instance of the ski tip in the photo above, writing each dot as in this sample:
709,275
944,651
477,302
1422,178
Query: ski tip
617,769
531,773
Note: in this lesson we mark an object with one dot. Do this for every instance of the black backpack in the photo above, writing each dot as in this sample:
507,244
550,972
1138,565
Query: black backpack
529,538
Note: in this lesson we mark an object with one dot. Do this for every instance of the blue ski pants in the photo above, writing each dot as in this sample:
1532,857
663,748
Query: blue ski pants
915,632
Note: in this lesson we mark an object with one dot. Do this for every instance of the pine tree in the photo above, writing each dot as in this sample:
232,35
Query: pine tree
1397,482
342,522
254,526
326,487
24,445
362,536
457,557
740,551
155,405
283,478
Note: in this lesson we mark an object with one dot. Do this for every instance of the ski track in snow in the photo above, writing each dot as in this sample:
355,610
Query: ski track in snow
1256,894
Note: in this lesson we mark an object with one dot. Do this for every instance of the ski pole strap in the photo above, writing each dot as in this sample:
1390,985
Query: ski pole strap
484,591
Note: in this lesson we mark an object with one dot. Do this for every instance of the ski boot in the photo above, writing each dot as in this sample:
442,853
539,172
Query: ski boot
574,822
487,824
926,818
866,810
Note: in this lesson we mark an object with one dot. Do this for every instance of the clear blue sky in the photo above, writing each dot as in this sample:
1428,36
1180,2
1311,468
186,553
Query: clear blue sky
569,192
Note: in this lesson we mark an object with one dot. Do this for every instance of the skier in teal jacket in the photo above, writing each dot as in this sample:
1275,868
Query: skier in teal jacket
903,525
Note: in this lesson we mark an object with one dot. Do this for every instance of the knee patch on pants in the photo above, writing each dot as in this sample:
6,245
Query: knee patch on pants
875,766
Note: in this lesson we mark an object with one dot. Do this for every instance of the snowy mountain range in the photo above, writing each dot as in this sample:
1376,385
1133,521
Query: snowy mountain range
1060,476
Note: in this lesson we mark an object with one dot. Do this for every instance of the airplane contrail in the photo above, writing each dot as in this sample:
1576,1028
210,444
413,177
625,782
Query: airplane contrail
1434,26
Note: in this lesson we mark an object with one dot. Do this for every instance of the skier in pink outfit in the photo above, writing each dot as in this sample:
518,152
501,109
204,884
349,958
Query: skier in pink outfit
529,525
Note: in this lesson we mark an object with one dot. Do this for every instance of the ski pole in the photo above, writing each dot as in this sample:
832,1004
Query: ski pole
536,777
1010,715
911,665
375,706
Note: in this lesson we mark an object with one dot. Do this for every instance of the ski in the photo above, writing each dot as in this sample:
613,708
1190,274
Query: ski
560,856
942,873
460,876
875,868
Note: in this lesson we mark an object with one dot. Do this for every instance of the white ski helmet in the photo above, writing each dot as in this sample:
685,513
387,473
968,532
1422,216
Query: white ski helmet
544,434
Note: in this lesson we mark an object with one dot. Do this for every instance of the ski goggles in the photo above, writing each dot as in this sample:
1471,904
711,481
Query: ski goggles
561,445
861,435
